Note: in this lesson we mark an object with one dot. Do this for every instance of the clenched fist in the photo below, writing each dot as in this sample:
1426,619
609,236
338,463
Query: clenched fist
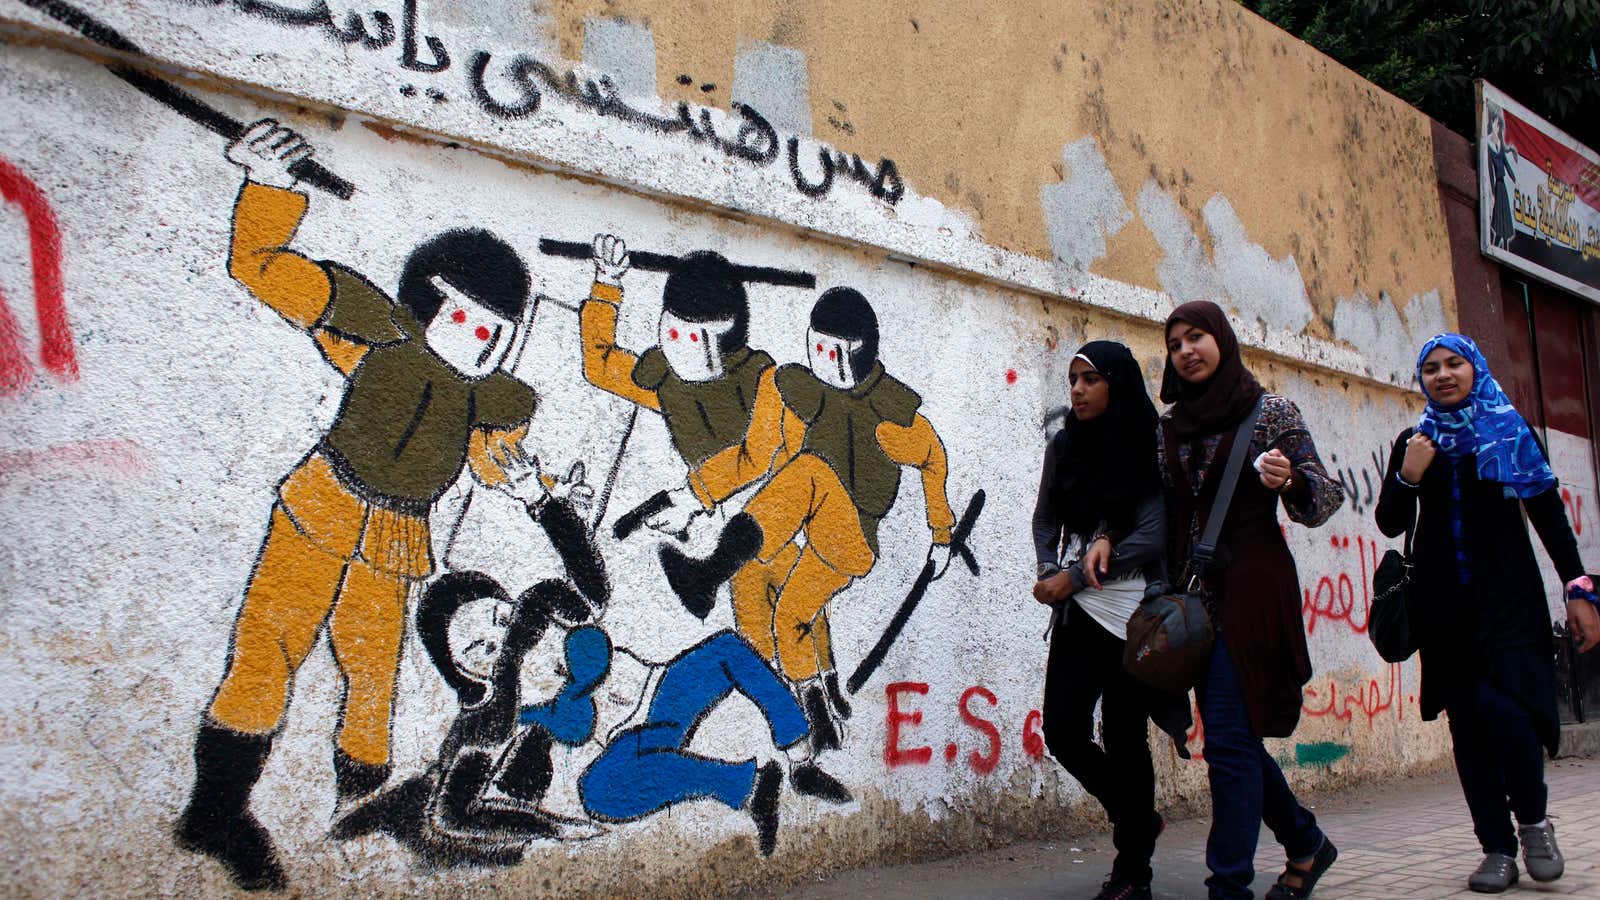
611,259
1419,455
267,151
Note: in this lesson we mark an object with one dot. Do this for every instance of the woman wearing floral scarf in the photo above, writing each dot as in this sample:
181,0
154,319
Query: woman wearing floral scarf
1478,610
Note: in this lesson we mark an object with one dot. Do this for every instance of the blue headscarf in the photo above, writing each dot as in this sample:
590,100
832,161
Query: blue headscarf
1485,424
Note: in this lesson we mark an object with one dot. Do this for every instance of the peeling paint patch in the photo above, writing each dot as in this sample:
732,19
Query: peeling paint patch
1261,287
1184,271
774,80
1387,340
623,50
1085,208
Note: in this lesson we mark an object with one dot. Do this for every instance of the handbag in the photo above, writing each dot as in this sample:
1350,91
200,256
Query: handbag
1389,620
1170,634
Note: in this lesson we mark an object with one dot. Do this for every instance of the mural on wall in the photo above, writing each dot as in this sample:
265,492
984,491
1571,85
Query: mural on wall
429,393
348,541
545,720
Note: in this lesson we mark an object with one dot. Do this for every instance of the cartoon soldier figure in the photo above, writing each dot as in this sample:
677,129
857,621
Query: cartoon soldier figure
834,435
702,376
348,537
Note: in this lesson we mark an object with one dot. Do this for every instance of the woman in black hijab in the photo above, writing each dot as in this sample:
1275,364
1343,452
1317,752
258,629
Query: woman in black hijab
1099,530
1259,662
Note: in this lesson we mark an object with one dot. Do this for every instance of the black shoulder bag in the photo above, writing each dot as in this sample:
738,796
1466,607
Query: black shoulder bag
1170,634
1389,620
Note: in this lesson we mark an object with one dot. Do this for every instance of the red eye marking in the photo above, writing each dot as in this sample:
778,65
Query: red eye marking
832,354
672,333
694,336
482,333
1011,376
819,348
458,316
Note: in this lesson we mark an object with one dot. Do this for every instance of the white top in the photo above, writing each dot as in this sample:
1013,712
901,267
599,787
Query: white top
1113,603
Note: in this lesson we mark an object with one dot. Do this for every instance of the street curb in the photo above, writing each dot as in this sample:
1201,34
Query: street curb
1580,741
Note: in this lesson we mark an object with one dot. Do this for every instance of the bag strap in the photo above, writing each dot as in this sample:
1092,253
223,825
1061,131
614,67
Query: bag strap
1230,479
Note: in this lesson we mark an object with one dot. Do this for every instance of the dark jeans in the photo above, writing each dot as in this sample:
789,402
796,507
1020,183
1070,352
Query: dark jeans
1086,665
1500,761
1247,787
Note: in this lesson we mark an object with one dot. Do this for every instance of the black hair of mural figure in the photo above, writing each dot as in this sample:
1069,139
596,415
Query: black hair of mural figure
478,804
703,287
438,606
473,261
844,313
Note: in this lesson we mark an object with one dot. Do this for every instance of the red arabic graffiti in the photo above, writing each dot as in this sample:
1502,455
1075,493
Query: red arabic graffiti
1369,699
1574,504
56,350
1336,597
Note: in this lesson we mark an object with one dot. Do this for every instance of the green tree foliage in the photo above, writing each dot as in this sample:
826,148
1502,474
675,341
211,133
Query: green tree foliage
1428,52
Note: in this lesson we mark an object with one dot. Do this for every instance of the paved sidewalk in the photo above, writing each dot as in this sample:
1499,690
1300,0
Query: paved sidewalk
1410,839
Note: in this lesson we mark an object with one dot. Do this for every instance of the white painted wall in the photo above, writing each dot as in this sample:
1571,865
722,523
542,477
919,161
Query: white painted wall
133,498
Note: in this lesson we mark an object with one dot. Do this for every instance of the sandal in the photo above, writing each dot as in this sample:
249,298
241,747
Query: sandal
1321,861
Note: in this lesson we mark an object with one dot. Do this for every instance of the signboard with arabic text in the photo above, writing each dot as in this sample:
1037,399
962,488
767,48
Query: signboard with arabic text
1538,196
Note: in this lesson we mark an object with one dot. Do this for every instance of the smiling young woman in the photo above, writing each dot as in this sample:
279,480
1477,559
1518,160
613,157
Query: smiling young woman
1259,661
1478,612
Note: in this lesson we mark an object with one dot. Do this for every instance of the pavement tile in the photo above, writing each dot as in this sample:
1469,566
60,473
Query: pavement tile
1411,840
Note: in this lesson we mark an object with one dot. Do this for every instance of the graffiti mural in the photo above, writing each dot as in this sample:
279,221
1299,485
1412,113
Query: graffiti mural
429,393
483,525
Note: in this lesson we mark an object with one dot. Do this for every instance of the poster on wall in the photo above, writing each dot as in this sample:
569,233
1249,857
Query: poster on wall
1538,196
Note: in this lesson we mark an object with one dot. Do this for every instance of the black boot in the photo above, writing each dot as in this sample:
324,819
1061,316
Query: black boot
836,696
695,581
217,822
824,733
353,779
764,806
809,779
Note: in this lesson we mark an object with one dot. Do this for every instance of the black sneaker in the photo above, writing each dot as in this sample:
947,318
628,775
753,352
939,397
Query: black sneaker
1118,888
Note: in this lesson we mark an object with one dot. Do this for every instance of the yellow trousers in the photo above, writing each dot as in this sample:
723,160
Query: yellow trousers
780,597
316,567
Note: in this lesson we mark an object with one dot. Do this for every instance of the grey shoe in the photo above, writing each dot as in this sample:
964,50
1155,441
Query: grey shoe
1539,852
1496,873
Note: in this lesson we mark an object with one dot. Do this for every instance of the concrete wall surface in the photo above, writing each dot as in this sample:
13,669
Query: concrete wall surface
261,408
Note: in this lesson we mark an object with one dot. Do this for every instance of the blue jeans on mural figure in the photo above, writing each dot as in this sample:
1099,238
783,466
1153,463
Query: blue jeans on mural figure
647,769
1247,787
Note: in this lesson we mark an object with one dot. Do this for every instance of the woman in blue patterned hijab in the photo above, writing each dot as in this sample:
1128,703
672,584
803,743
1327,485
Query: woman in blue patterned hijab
1477,418
1468,482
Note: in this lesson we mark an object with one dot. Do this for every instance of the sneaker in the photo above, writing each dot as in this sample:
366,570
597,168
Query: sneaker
1118,888
1497,872
1540,853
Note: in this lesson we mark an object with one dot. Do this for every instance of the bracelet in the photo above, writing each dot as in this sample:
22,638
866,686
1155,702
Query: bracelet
1287,483
1402,479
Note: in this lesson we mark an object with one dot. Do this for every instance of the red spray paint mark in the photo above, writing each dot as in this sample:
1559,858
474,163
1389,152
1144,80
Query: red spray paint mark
983,764
894,755
1368,699
1011,376
118,457
56,349
1032,735
1336,597
1574,503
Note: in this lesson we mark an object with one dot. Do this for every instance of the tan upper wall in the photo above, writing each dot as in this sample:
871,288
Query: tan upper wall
1202,96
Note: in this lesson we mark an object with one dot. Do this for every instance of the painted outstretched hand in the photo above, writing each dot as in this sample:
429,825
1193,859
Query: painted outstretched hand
526,481
267,151
611,260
